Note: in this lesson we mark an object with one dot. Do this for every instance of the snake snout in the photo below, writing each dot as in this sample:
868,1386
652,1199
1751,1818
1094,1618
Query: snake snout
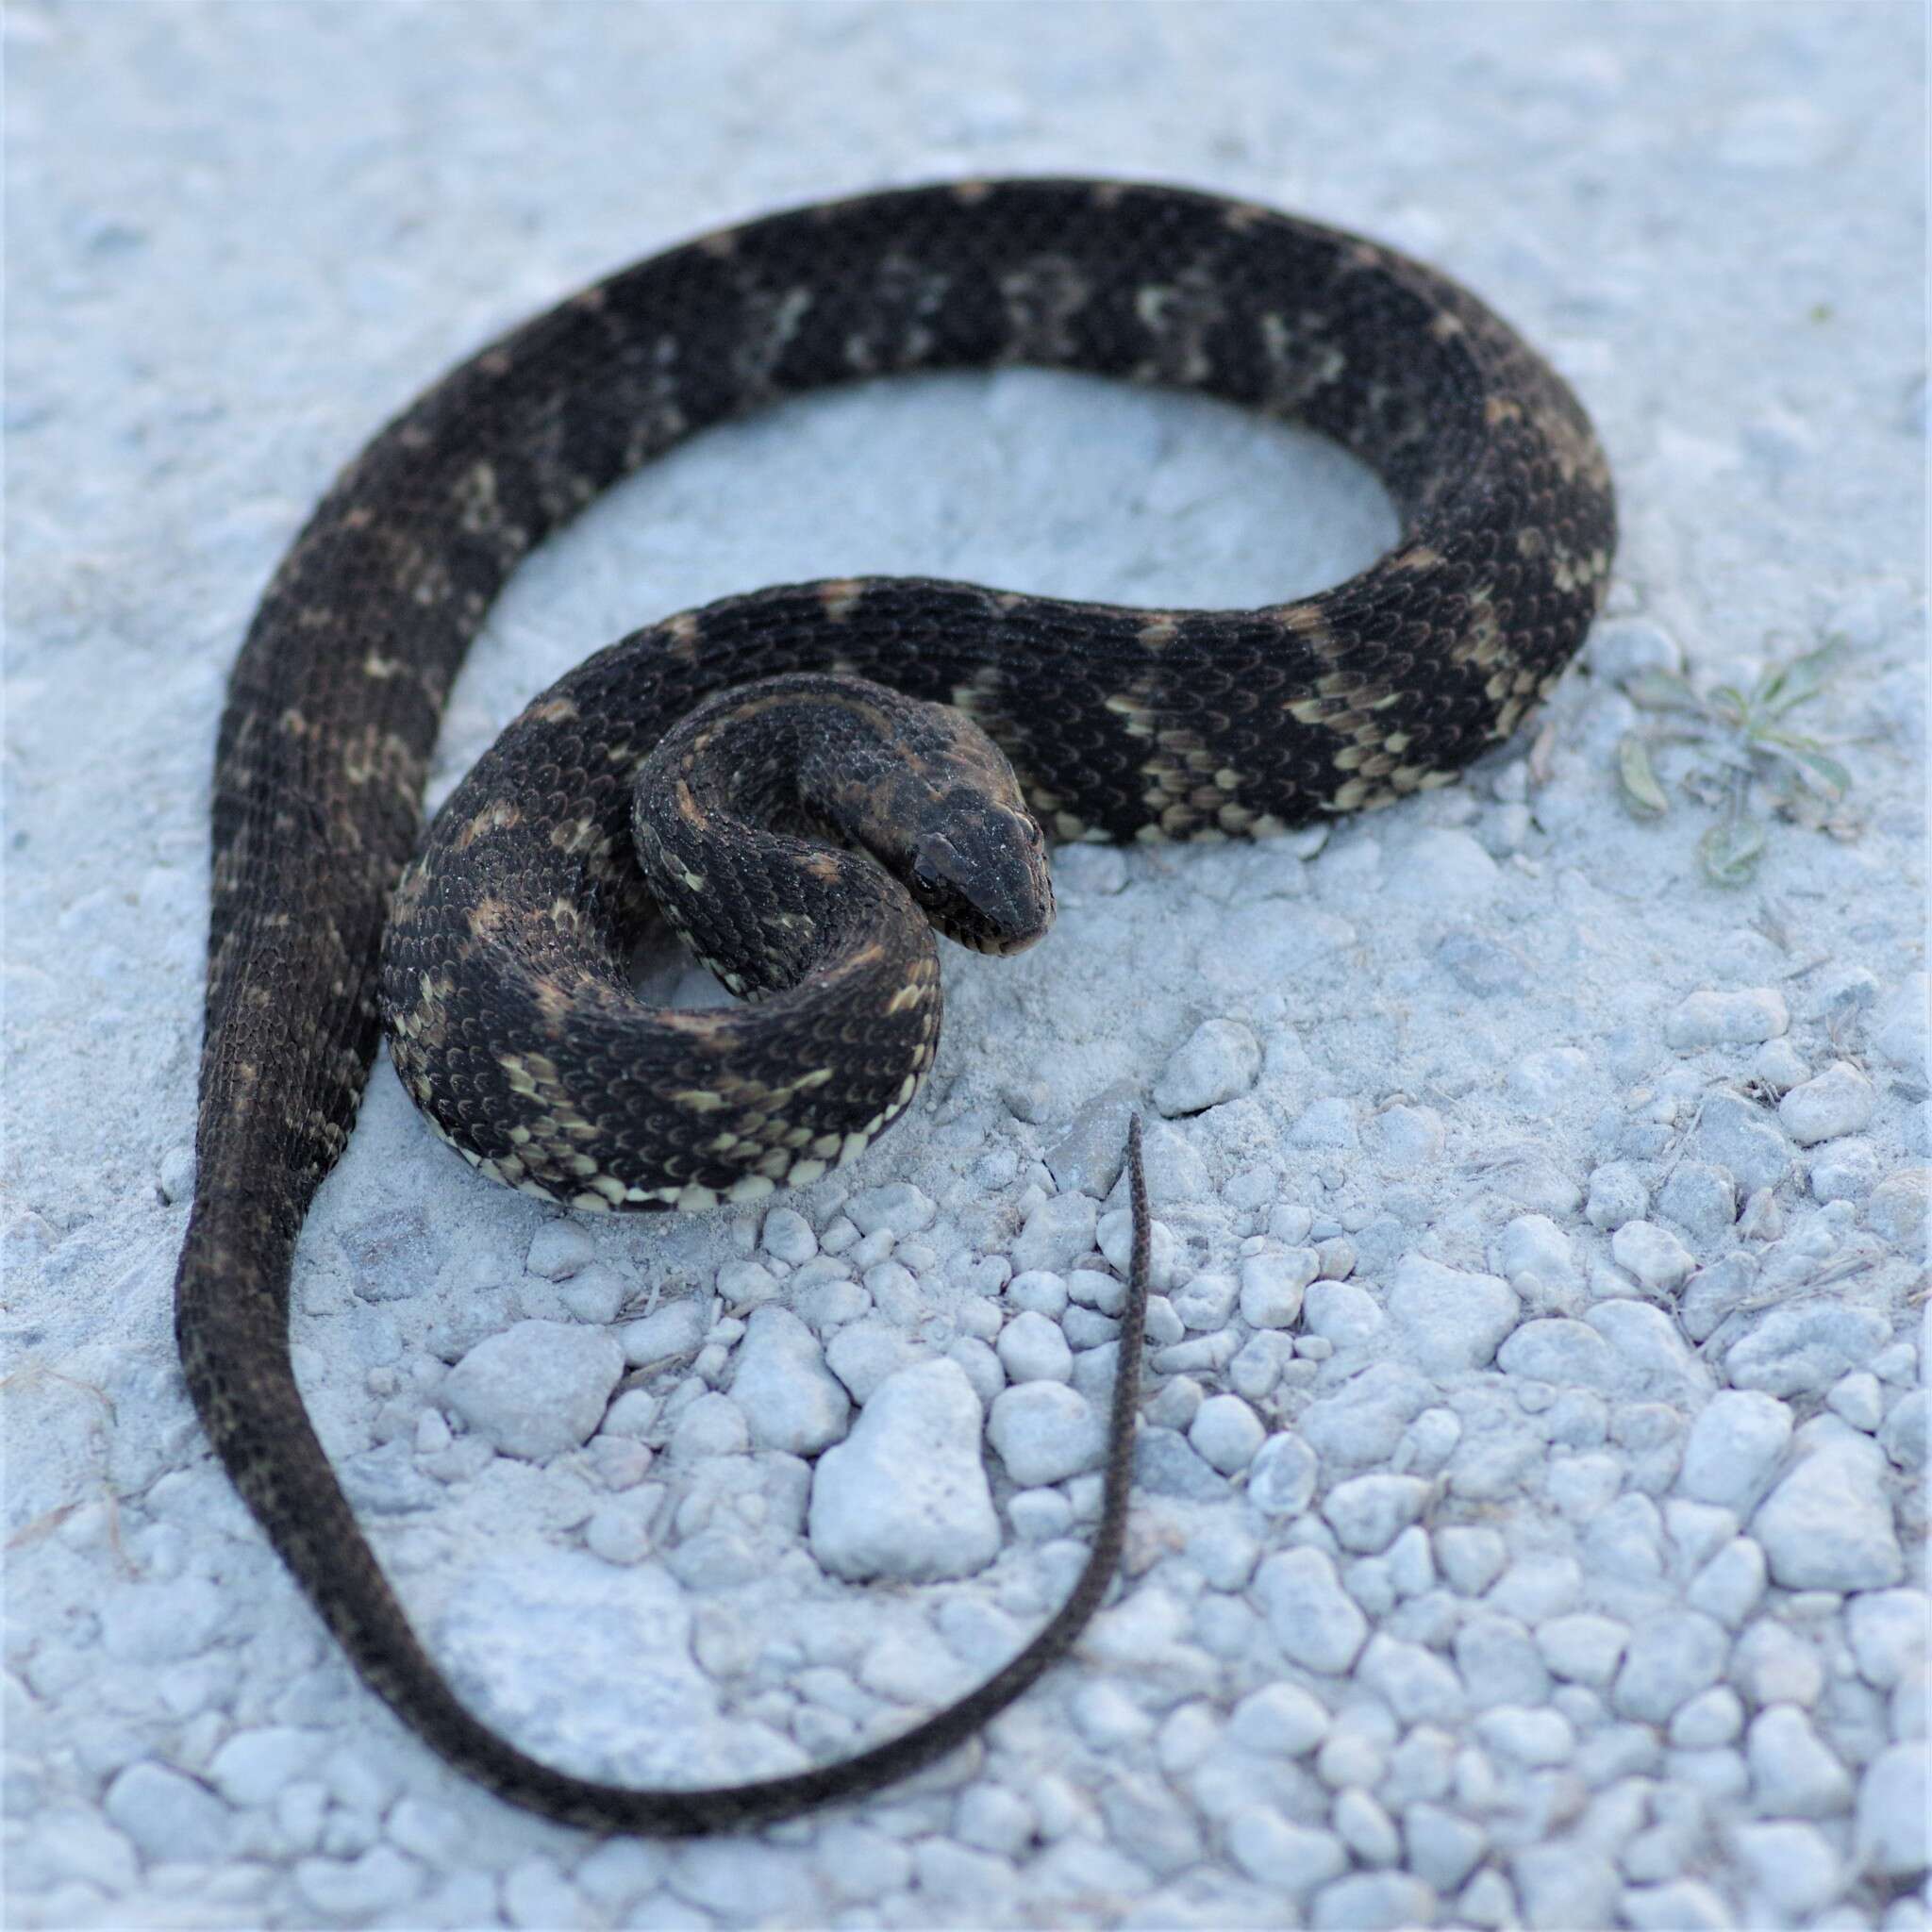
979,872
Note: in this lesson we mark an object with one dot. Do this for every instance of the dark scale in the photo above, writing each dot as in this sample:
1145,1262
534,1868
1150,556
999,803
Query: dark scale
510,1016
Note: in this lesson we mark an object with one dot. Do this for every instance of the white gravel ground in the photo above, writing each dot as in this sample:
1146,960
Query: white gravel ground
1530,1526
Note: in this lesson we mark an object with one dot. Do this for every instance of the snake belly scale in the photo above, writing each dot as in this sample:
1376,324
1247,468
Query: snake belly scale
1107,723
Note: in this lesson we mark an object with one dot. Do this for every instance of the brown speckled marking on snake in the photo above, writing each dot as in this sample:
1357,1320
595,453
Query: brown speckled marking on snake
1119,723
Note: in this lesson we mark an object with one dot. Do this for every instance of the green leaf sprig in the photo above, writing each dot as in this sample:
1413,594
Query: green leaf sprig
1743,735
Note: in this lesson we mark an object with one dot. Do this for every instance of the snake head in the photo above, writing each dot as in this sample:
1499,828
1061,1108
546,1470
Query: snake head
977,867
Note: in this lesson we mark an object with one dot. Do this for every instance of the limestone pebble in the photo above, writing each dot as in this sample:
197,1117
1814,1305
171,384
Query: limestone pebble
1838,1101
1740,1017
1218,1060
1032,1349
1271,1287
1226,1432
1044,1431
789,1398
1827,1525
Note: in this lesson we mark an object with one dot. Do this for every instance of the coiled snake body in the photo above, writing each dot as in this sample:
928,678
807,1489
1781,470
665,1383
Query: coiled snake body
503,979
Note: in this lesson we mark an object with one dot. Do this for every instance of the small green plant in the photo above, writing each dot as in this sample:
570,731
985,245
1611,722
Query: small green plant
1743,744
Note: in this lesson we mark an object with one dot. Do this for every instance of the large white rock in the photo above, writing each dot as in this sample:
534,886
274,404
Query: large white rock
1654,1254
1648,1348
904,1495
1218,1060
1804,1348
1446,1320
1033,1349
1057,1233
1226,1432
1735,1445
791,1400
1273,1286
678,1329
1289,1857
1367,1512
169,1816
1889,1631
1898,1027
537,1389
1744,1017
1556,1349
1838,1101
1793,1772
1670,1657
1311,1616
1443,869
1044,1432
1281,1478
1829,1524
1892,1835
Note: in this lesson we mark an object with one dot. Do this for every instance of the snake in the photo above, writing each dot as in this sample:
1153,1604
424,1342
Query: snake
804,781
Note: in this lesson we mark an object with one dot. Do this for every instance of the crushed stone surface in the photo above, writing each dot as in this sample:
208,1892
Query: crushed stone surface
1528,1525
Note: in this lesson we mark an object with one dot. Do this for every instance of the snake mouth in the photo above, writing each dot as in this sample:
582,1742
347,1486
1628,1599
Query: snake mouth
996,946
1000,929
